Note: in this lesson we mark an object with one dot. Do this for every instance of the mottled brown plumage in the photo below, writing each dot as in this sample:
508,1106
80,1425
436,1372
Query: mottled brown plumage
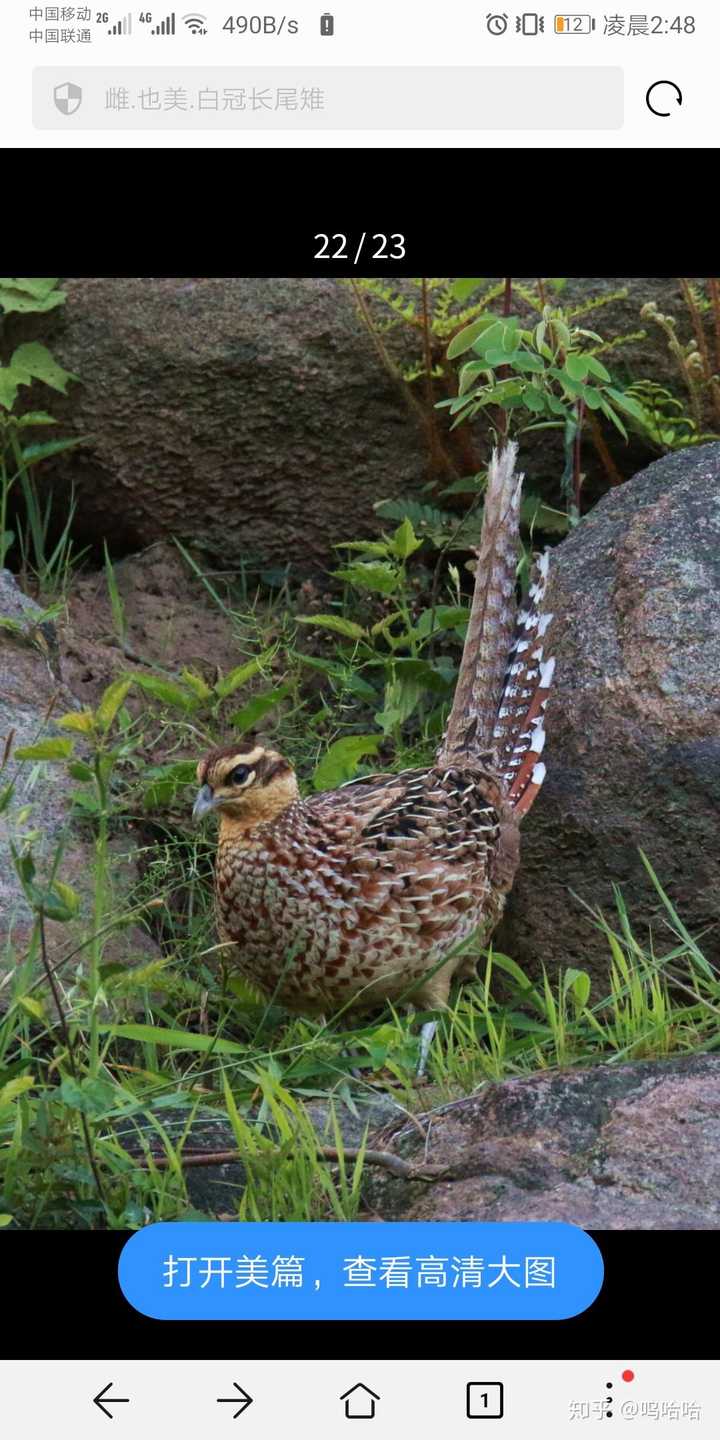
363,894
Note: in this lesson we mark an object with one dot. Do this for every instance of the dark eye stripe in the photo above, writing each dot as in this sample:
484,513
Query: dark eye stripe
279,767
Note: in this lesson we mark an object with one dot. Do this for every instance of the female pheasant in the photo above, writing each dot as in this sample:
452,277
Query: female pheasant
363,894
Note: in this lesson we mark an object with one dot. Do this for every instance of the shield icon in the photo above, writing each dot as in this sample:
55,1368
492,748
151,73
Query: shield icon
68,98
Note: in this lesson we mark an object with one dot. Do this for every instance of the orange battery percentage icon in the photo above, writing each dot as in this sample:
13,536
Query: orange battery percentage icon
574,24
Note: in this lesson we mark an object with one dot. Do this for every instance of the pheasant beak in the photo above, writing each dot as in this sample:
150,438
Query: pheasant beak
205,802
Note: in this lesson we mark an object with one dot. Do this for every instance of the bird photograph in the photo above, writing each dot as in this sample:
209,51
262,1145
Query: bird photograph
366,893
359,751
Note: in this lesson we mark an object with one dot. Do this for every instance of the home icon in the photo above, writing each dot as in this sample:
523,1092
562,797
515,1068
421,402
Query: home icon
360,1403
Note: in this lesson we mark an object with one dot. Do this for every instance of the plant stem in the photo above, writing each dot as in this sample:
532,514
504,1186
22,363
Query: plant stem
577,454
426,419
69,1045
99,899
437,457
598,440
503,419
715,297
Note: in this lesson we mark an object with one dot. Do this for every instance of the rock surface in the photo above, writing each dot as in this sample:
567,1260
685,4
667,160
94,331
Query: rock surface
32,690
627,1147
252,417
633,723
256,418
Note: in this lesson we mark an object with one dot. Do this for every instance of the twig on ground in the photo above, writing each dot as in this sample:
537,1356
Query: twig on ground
393,1163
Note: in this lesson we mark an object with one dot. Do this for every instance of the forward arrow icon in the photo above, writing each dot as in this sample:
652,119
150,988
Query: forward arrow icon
242,1400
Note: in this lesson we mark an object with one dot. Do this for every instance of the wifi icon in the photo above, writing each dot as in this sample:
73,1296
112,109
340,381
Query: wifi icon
195,24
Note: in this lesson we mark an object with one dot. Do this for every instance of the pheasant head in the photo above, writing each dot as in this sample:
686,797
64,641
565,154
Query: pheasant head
246,787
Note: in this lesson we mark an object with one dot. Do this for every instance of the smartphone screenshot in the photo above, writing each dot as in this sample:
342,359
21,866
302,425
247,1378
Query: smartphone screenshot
359,738
456,75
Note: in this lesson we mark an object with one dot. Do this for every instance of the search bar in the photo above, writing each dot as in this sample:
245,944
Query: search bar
177,97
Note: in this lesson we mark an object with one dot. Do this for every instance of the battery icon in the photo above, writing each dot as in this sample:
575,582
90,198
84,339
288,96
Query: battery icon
574,24
327,24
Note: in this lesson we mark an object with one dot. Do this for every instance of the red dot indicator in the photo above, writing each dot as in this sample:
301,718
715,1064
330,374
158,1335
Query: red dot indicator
628,1375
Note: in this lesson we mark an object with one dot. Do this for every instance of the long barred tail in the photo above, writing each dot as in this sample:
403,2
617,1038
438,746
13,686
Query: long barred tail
519,732
481,679
503,684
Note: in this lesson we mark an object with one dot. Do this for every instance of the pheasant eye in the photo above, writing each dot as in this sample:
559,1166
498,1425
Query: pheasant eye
240,774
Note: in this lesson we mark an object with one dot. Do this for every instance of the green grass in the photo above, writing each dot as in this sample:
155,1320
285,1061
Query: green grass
176,1051
109,1072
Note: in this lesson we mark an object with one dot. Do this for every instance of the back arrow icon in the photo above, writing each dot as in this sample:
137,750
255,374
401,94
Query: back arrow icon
102,1399
243,1401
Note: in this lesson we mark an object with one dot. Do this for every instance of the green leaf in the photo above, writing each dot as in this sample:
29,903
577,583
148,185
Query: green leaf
166,780
443,617
533,400
69,897
32,1006
39,289
31,454
334,622
45,750
579,982
111,701
461,290
375,575
91,1096
465,338
576,367
15,1088
592,397
401,698
251,713
490,338
241,674
341,760
178,1039
405,541
537,515
166,691
9,382
596,368
434,678
80,771
528,363
6,794
468,374
35,417
82,721
626,403
30,297
379,548
53,903
39,364
196,683
613,415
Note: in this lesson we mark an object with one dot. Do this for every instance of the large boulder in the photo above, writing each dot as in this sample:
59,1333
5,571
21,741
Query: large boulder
633,723
626,1147
250,416
257,418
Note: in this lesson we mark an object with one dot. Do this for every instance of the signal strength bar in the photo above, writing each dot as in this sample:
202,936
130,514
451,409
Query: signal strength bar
123,27
166,27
